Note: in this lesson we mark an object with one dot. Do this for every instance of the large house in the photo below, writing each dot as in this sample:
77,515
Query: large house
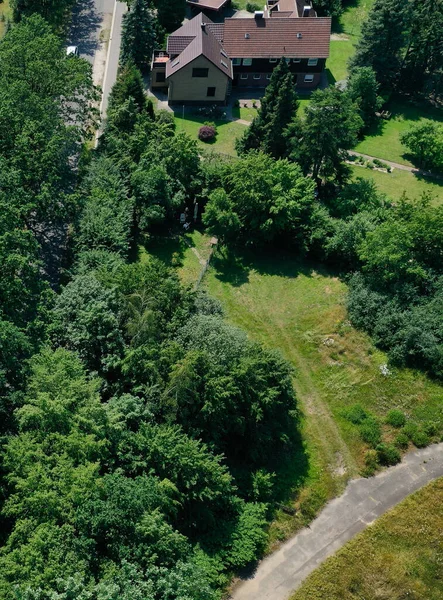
203,60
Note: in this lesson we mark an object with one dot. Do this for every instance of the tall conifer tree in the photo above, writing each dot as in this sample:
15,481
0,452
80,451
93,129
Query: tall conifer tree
138,38
278,107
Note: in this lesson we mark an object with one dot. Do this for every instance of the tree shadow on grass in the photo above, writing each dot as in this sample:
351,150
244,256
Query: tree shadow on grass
169,249
235,267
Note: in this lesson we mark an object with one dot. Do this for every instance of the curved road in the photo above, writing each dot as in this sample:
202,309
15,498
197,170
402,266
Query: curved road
363,501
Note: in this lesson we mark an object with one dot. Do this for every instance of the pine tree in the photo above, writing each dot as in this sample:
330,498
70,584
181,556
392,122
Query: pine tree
278,107
382,40
138,36
423,57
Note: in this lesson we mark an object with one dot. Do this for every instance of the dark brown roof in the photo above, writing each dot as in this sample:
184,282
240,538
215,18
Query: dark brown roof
211,4
196,39
277,37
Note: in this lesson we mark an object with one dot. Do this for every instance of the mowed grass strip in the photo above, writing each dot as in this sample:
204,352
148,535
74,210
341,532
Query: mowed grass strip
399,557
300,309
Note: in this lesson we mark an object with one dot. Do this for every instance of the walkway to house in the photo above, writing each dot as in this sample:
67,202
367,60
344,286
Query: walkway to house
281,573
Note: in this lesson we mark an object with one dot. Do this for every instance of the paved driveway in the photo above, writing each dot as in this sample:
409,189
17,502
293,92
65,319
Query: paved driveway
362,502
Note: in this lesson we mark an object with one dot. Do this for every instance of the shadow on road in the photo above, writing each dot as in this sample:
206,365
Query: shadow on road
86,20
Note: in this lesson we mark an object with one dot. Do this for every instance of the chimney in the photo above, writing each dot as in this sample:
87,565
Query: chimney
258,14
203,26
306,11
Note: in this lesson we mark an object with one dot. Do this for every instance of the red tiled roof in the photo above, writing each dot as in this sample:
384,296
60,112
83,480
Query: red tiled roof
277,37
197,39
211,4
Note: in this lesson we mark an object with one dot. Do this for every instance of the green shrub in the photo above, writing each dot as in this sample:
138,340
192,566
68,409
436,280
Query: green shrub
251,7
402,441
410,429
356,414
371,463
388,454
420,439
370,431
431,428
396,418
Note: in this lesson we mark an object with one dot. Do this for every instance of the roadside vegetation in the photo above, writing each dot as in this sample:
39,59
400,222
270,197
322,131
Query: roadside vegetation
397,557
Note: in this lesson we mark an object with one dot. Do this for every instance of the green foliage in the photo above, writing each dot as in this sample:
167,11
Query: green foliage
170,13
362,88
138,35
425,141
262,200
106,220
396,418
420,439
356,414
388,454
382,40
56,12
329,128
278,107
371,463
402,441
249,537
370,431
87,318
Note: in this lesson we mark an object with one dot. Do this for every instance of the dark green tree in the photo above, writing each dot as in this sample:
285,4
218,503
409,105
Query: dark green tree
329,128
382,40
138,35
56,12
362,89
129,84
278,108
170,13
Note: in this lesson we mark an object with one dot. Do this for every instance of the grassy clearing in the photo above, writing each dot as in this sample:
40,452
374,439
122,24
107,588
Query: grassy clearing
227,132
397,558
244,112
398,182
383,140
296,307
5,14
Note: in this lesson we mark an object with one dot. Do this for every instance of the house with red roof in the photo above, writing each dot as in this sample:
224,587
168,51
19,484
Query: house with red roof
203,60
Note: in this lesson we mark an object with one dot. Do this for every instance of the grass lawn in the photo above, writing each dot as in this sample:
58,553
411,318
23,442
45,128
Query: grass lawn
337,63
296,307
5,13
395,183
245,113
398,557
384,139
354,14
227,132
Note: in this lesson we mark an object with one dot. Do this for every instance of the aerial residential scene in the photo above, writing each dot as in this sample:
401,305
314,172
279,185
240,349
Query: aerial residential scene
221,300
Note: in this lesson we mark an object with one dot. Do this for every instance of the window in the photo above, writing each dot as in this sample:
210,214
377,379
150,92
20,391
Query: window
160,77
309,78
247,62
296,60
200,72
224,64
312,62
211,92
244,76
288,60
223,53
257,76
236,62
268,76
272,60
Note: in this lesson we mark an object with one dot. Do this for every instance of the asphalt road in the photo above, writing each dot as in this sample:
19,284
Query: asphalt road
281,573
87,19
113,54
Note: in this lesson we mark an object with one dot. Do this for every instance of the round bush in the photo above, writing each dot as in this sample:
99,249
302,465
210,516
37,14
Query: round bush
395,418
206,133
356,414
431,428
410,429
388,454
370,431
402,441
420,439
